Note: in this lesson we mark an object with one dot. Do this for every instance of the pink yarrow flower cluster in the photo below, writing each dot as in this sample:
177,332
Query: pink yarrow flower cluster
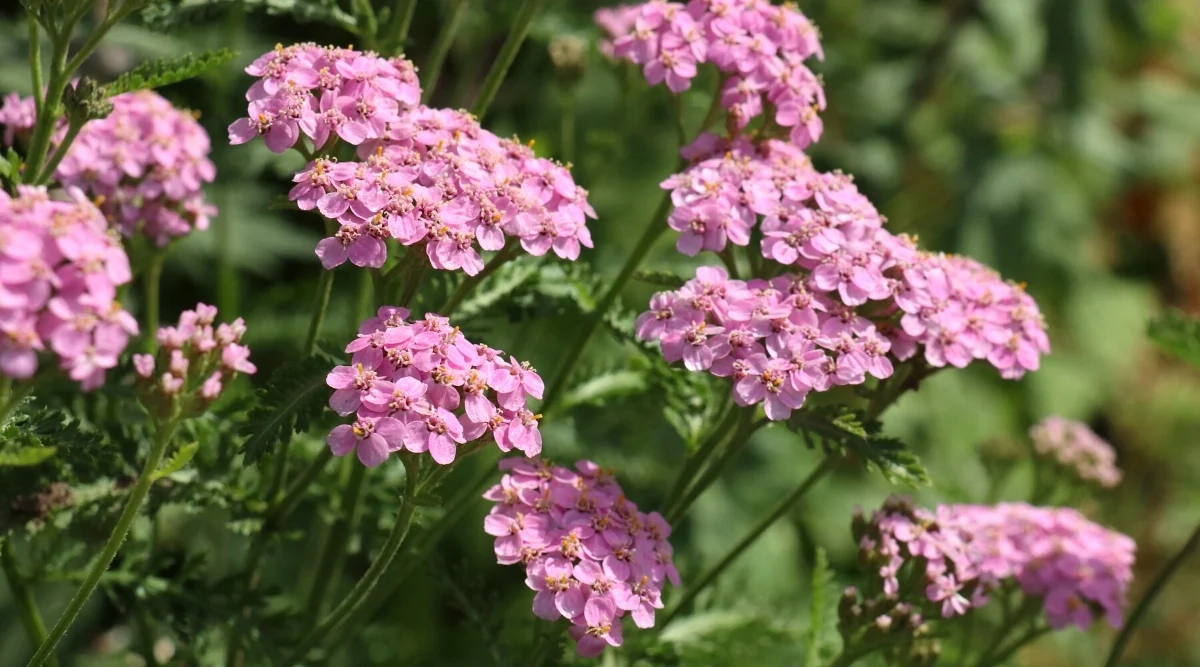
818,224
18,116
1077,568
441,181
775,340
760,49
588,552
59,273
324,92
145,164
421,386
1078,449
196,359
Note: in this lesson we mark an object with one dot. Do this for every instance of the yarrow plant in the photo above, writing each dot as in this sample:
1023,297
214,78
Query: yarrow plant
58,287
588,552
423,387
816,312
144,164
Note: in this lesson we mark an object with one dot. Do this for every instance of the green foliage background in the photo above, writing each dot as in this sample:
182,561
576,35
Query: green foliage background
1058,140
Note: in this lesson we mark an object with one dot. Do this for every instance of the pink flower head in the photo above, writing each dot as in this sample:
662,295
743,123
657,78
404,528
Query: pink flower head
589,554
442,390
59,273
1077,449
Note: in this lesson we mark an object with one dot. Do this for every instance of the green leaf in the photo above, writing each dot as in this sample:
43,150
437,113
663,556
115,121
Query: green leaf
294,395
24,456
842,429
177,461
166,71
822,621
606,386
665,279
1177,335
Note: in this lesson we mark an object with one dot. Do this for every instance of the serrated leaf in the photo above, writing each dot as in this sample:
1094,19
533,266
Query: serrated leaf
24,456
177,461
1177,335
166,71
295,394
506,280
822,609
840,428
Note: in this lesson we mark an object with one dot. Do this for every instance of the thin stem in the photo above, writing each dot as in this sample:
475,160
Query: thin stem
320,307
466,497
653,231
47,172
736,442
39,143
23,596
464,289
504,59
137,495
152,284
334,552
363,588
401,23
35,64
1156,587
761,527
295,491
441,48
696,461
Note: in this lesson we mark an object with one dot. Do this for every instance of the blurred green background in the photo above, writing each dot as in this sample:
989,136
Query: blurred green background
1057,140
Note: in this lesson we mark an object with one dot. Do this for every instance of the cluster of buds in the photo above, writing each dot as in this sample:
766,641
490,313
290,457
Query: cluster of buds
588,552
196,359
422,386
896,629
59,273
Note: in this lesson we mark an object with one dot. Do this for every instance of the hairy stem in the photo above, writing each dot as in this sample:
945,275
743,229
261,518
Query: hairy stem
465,288
31,617
504,59
1156,587
441,48
151,283
363,588
137,495
35,64
761,527
320,307
735,443
696,461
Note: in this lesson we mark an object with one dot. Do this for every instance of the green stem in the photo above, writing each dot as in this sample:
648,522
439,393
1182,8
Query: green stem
466,498
334,552
401,23
295,491
35,64
23,596
738,441
363,588
653,231
697,460
1156,587
464,289
47,172
441,48
504,59
320,307
47,119
784,506
1007,652
137,495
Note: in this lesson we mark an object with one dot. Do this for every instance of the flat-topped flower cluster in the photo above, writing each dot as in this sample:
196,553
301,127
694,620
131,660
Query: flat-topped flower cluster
758,47
1077,568
1077,448
587,550
424,177
145,164
422,386
59,273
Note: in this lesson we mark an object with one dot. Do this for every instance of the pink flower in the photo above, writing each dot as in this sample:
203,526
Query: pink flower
374,439
598,629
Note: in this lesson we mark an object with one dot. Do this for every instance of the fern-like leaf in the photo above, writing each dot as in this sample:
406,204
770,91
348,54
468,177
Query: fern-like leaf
822,622
294,395
842,429
166,71
177,461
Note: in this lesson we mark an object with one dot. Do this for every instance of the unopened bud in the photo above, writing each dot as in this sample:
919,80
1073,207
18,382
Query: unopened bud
569,55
